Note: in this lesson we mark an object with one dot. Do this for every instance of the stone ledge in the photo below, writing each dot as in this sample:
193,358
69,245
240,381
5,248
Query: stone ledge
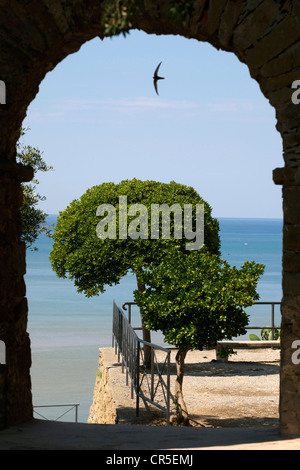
250,344
103,409
245,345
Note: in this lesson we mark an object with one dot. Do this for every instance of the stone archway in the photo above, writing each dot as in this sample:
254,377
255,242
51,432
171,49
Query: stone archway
35,36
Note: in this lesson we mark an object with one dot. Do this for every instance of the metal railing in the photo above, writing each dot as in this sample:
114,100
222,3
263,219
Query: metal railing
149,380
129,305
146,380
272,327
71,407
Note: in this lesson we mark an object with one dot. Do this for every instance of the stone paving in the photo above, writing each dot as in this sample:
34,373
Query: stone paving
51,435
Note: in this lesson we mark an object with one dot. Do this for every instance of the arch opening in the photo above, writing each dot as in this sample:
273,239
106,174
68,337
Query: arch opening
186,111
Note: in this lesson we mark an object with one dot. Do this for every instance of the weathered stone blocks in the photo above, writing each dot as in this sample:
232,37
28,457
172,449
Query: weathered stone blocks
103,409
255,25
2,396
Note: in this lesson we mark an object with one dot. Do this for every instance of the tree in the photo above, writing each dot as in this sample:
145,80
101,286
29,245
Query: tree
93,262
33,218
196,299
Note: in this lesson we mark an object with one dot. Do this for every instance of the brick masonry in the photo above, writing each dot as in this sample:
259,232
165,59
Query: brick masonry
35,36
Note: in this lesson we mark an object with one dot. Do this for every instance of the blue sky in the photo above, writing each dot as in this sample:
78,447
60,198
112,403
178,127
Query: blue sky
97,118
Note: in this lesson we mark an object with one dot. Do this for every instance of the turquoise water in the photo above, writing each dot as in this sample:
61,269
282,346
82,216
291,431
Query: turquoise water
67,329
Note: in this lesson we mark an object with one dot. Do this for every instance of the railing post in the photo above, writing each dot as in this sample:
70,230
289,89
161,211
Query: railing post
137,374
132,365
168,389
124,306
129,314
272,315
113,327
152,374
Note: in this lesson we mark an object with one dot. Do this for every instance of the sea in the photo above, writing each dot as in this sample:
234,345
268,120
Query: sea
67,329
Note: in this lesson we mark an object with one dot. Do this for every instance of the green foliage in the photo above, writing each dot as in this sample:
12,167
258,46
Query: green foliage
33,218
225,352
91,262
197,299
117,17
266,334
254,337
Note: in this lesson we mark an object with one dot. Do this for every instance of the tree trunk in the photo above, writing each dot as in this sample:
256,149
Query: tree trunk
181,409
146,333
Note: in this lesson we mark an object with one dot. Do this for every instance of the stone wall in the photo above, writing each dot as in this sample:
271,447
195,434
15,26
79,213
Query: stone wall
103,409
13,302
2,396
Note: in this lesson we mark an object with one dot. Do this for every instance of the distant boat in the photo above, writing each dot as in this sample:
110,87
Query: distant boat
245,243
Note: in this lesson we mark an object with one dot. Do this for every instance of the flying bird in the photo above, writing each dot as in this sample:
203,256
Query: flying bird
156,77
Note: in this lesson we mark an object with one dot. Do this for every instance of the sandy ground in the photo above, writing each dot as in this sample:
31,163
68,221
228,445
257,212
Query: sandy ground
242,392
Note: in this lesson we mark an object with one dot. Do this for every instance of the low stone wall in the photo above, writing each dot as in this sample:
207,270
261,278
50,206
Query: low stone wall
103,409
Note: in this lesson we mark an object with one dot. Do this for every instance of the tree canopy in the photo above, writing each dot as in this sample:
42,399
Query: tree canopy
197,299
93,262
